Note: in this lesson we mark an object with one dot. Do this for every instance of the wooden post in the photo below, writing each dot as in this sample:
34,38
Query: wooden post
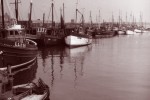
9,69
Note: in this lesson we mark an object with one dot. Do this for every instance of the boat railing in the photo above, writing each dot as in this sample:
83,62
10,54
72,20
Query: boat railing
30,43
19,65
27,43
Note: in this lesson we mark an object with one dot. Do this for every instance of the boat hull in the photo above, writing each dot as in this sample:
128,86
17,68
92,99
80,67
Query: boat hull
52,40
130,32
138,31
120,32
15,55
74,40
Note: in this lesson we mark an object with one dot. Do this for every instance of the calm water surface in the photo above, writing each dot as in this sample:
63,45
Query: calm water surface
110,69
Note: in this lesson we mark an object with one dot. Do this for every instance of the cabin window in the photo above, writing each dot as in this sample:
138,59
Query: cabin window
11,33
16,33
34,32
49,32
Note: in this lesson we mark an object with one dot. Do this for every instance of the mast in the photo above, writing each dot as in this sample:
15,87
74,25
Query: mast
43,19
52,14
99,19
112,19
63,12
119,19
126,18
76,12
82,20
91,18
141,20
2,7
61,19
30,15
16,9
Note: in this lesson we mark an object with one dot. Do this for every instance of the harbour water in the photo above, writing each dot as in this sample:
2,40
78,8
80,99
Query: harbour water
110,69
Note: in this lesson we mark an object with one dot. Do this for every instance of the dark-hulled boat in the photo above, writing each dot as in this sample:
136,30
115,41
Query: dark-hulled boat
105,31
14,47
35,33
53,36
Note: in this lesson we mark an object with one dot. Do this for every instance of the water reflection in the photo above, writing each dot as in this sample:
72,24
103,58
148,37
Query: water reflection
76,57
114,68
51,57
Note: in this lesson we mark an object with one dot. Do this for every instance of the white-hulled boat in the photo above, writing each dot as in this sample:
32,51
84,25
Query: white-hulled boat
130,32
138,31
78,38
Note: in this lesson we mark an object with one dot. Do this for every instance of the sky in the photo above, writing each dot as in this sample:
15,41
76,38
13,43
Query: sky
107,8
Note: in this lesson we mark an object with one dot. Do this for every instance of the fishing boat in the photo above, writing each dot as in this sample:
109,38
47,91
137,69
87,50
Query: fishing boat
35,33
105,32
54,35
14,47
78,37
130,32
121,32
138,31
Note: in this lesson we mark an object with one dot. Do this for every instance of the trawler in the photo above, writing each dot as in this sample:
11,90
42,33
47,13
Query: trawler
14,47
